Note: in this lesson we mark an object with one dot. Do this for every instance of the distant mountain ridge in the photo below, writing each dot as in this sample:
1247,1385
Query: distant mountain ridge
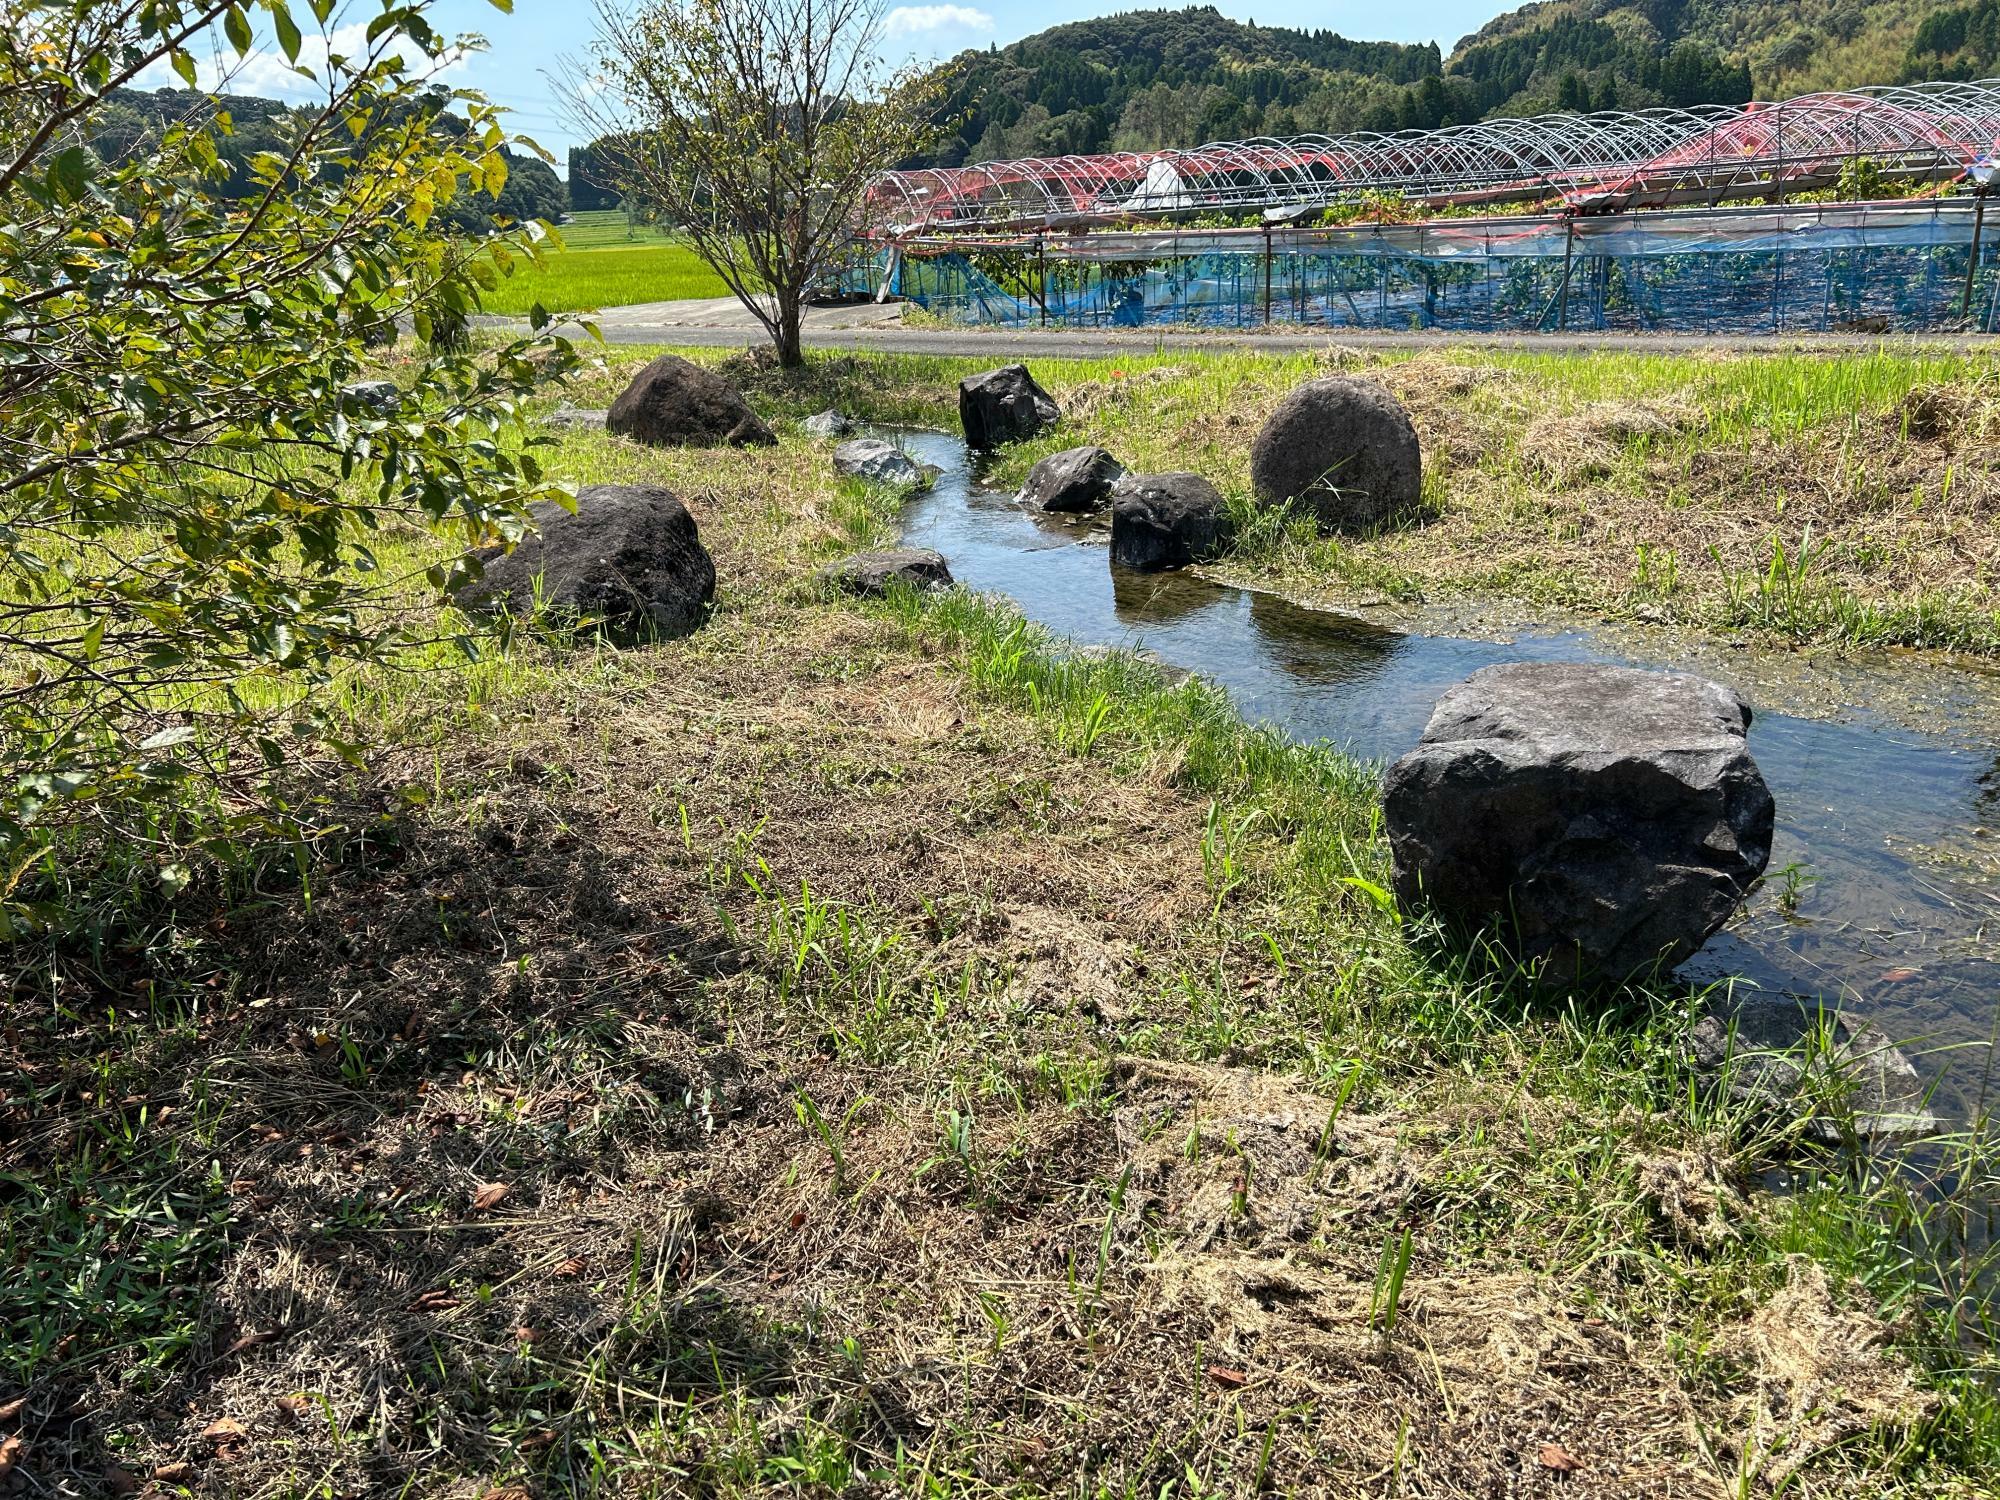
1142,80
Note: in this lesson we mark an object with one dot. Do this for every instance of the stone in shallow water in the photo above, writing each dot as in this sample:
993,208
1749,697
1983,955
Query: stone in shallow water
1004,406
630,561
881,463
1167,521
873,574
827,424
1769,1055
1604,820
1076,479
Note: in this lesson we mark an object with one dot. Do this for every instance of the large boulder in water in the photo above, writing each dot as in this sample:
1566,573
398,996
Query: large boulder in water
1167,521
1607,819
1004,406
630,560
1076,479
674,404
1345,446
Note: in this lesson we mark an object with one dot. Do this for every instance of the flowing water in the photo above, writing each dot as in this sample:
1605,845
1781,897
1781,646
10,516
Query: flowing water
1894,911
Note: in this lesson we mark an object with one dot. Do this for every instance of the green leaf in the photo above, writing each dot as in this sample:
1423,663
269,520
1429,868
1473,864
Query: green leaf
236,26
288,31
70,174
183,62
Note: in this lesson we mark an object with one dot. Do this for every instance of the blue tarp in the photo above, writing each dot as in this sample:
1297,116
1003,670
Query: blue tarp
1823,267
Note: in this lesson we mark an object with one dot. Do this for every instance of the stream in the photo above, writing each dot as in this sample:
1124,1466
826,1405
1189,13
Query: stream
1892,834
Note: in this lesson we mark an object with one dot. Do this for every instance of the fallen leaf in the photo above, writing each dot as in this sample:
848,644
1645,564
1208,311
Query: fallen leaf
1897,976
1223,1375
292,1408
174,1473
799,1219
117,1481
535,1441
488,1195
10,1454
508,1492
252,1339
1556,1456
574,1266
434,1301
12,1409
526,1335
224,1430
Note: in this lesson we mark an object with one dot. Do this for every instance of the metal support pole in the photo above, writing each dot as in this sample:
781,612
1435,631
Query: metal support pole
1267,274
1972,260
1042,276
1569,258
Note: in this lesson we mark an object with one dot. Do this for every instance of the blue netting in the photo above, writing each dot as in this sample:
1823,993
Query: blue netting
1874,267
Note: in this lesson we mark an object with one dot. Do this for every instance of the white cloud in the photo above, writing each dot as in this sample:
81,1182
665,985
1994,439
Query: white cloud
266,74
917,20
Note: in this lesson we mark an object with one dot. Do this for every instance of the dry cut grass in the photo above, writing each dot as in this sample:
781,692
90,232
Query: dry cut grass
769,1063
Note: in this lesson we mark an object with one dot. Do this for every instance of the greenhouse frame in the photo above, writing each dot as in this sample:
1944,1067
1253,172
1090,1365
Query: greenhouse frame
1640,220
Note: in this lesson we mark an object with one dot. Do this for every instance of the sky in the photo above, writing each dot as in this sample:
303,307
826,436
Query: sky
525,51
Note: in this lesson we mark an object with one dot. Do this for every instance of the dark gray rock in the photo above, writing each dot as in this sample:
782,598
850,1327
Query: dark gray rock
378,398
629,562
1076,479
1344,445
577,419
881,463
1607,820
1792,1062
1167,521
1004,406
827,424
674,404
873,574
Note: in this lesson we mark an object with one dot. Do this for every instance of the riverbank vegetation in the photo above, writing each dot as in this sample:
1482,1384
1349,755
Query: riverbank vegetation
1811,498
871,1045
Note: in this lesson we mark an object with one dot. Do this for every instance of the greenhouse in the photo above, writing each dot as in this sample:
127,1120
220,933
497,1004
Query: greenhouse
1635,221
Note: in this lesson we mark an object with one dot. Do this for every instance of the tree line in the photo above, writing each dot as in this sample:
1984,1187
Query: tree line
243,128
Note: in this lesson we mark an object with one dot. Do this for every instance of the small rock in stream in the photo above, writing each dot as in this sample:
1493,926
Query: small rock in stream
873,574
1766,1055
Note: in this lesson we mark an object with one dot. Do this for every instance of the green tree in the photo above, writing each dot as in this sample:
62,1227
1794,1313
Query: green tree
757,126
191,500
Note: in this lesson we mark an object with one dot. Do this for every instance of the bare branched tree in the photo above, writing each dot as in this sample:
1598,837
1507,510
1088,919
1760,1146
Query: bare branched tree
756,126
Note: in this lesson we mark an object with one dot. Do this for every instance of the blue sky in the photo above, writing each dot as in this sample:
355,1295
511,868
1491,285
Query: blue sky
526,48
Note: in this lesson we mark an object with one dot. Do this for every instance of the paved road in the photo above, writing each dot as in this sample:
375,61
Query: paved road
723,323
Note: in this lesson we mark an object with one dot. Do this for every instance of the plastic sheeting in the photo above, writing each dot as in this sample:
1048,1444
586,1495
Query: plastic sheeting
1878,267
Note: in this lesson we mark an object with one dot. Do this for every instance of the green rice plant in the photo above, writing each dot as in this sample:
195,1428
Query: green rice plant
832,1136
1386,1301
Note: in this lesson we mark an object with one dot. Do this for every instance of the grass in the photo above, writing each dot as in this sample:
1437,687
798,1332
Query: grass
1847,500
602,263
875,1047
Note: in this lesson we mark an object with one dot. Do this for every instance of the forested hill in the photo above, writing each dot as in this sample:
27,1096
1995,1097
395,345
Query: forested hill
130,119
1158,77
1147,79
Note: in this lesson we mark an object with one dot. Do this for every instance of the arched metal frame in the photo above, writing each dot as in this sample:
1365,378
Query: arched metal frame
1594,162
